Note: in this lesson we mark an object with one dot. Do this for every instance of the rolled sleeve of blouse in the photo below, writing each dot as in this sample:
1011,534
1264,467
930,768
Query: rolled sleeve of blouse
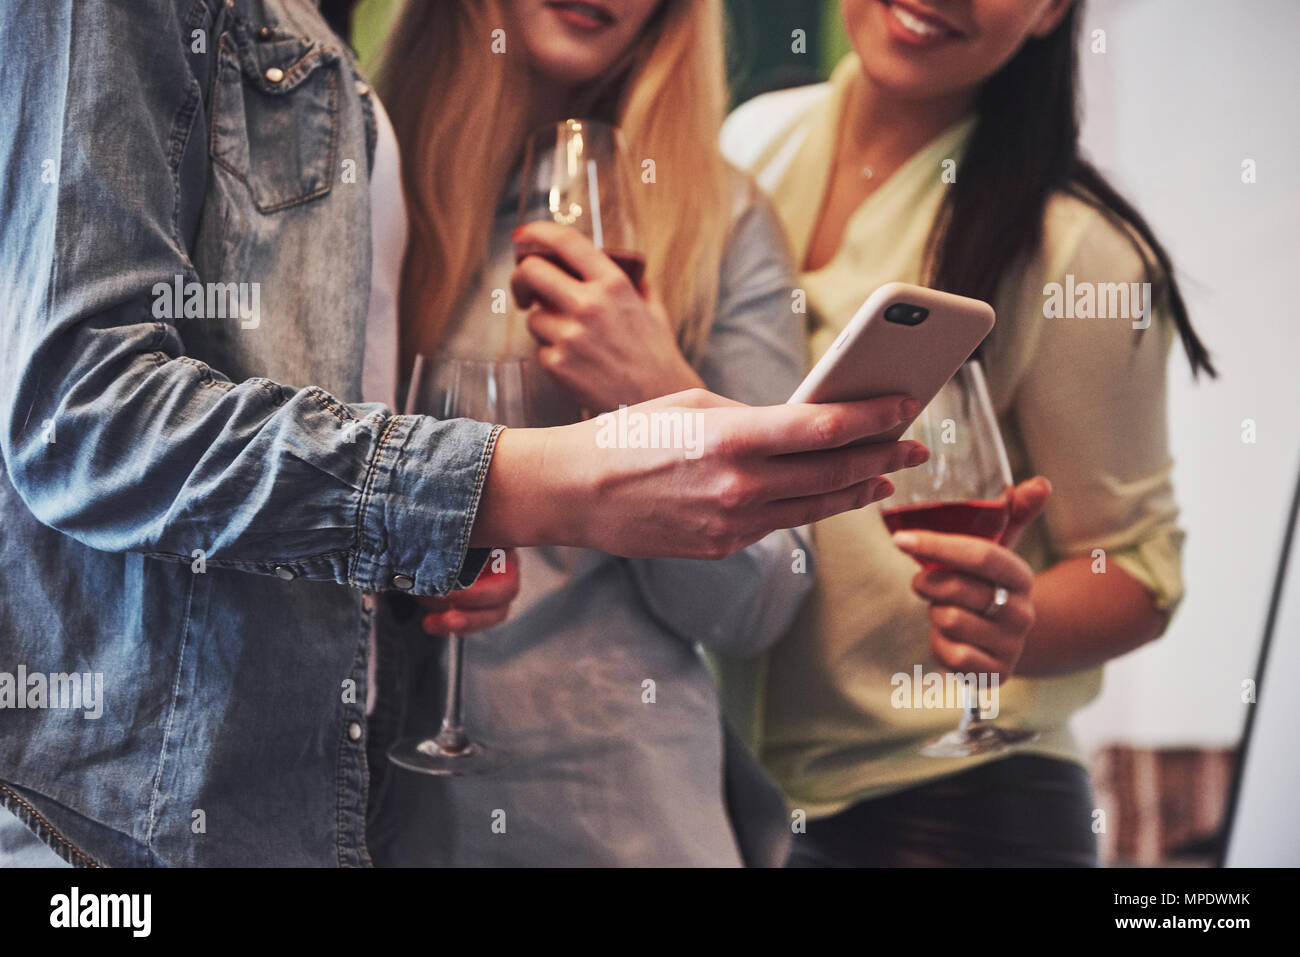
1091,411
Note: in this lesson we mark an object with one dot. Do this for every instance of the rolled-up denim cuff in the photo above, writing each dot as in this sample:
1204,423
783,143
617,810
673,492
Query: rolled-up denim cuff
419,503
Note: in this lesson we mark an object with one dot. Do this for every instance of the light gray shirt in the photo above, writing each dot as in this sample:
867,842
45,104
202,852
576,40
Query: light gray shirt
595,688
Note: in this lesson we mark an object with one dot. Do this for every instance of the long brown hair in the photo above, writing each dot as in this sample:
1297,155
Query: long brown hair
1023,148
458,112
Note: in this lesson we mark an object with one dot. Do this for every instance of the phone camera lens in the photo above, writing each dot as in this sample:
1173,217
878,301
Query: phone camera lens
906,314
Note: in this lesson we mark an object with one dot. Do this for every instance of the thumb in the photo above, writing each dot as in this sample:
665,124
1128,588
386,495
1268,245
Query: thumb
1027,502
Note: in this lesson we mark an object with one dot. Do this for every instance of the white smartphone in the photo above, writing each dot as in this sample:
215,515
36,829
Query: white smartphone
905,339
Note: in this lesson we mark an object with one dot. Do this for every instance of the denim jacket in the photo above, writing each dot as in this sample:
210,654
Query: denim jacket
194,502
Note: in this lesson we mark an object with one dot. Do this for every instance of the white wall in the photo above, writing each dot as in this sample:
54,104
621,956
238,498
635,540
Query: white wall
1186,91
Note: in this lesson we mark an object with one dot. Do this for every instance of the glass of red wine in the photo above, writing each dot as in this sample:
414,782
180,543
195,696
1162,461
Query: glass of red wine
451,387
578,173
965,489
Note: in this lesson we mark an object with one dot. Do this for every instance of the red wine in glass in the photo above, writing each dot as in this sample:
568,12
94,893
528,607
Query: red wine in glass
983,518
631,262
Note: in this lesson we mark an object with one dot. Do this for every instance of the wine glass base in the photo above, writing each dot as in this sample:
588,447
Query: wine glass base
976,738
425,756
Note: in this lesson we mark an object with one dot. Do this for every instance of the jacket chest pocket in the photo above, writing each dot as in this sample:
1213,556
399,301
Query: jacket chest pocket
275,115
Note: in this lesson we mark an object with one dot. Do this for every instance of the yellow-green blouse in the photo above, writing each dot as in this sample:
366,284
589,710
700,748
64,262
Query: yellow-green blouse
1080,400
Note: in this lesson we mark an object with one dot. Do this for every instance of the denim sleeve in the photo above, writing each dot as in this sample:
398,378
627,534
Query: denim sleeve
110,432
756,353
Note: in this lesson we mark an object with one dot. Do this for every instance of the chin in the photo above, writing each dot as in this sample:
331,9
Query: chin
905,78
901,80
568,67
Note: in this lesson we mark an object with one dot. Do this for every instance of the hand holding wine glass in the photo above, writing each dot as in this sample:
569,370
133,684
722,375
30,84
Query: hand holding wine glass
605,341
957,515
601,330
959,578
485,604
578,174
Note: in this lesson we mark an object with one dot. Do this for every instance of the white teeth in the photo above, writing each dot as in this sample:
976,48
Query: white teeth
913,22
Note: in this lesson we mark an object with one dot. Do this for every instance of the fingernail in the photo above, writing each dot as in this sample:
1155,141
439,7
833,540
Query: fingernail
884,489
906,540
917,455
909,408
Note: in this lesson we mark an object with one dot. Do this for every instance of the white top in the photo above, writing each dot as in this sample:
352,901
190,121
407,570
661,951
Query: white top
388,230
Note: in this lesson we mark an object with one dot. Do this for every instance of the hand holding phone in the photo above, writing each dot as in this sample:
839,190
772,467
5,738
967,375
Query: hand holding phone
905,339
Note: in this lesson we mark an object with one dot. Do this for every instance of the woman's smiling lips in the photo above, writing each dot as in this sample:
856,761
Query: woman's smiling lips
917,26
585,16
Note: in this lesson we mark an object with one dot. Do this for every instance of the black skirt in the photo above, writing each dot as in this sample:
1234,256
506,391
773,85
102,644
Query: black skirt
1022,810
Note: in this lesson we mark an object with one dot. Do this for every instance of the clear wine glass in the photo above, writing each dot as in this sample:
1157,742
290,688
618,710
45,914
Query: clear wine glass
450,387
965,488
578,173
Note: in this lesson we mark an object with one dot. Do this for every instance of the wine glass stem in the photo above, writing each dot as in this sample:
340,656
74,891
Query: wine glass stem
971,716
451,736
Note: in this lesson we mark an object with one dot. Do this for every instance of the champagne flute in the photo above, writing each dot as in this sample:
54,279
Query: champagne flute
450,387
964,488
578,173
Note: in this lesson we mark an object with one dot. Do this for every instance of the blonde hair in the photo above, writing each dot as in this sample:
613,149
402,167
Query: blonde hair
459,113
